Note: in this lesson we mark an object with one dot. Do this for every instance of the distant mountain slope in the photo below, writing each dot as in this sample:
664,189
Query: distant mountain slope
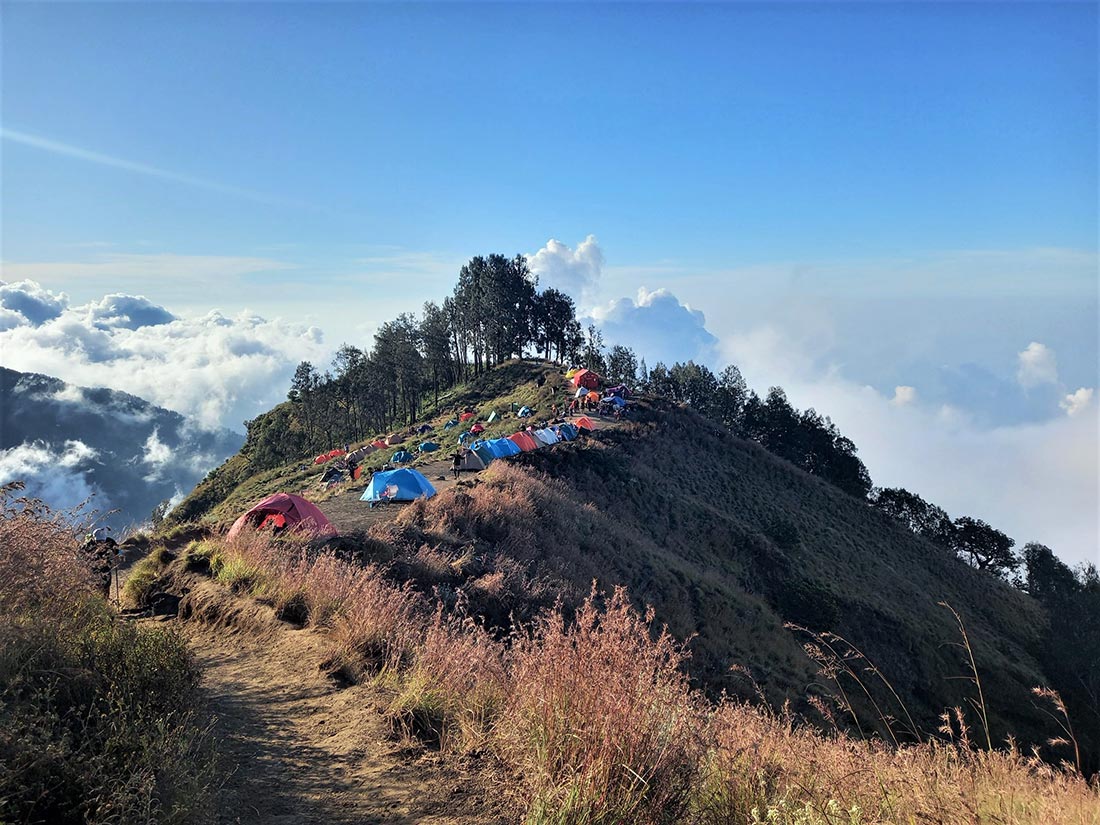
68,442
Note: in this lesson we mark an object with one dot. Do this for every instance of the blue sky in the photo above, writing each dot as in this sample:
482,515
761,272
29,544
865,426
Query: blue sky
855,196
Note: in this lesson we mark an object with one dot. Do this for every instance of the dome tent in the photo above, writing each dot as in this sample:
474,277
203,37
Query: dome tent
397,485
300,515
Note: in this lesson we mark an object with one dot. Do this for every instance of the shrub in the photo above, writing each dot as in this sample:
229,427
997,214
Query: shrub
600,719
96,721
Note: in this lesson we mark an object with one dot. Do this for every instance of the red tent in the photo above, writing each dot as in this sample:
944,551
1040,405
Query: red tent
524,441
477,428
587,379
321,459
379,444
299,514
466,416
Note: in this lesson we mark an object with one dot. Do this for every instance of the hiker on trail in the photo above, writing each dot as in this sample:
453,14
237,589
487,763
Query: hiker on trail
99,553
456,462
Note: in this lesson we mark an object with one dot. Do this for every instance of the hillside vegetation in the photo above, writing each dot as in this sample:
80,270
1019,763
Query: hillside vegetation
728,543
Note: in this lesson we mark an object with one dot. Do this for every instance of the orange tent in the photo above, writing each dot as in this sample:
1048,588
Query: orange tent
379,444
593,396
587,379
584,422
524,441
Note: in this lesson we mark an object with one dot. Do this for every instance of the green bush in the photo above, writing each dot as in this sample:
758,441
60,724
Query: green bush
96,721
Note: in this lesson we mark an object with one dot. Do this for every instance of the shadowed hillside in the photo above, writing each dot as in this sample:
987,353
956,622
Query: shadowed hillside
728,542
725,540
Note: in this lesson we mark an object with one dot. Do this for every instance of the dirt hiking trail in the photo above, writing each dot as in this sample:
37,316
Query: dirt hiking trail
297,748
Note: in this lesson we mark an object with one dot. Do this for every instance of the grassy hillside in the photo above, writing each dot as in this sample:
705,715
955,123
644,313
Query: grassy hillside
726,541
243,479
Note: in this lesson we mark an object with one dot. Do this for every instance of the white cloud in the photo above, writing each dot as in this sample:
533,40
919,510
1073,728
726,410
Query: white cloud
903,395
38,467
572,271
1077,402
219,370
26,302
658,327
157,455
1036,366
1035,481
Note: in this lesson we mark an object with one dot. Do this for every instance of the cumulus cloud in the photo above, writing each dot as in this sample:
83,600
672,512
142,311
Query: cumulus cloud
1036,366
38,466
25,302
903,395
219,370
658,327
126,312
1037,481
1077,402
572,271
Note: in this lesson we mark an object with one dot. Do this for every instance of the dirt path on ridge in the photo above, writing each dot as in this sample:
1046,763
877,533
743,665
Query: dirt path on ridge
296,749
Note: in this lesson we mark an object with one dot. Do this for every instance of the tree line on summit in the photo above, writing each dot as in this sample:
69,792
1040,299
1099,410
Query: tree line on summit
497,312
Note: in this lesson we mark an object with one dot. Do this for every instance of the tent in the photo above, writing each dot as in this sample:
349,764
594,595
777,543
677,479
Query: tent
622,391
395,438
397,485
464,437
466,416
472,462
524,411
452,423
478,428
571,373
492,417
581,392
587,379
379,444
300,515
424,428
321,459
482,451
567,431
524,442
402,457
593,396
428,447
361,453
546,436
584,423
614,399
502,447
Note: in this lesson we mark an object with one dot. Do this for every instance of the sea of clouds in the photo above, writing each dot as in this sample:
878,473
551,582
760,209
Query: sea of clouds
215,369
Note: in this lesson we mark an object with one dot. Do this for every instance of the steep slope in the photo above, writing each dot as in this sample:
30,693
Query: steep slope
725,541
69,442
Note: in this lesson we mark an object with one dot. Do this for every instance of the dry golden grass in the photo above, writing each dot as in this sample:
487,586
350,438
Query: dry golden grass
593,713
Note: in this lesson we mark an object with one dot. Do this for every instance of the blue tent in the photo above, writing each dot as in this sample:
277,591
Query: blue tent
614,399
428,447
567,431
524,411
505,446
481,449
402,457
462,439
397,485
452,423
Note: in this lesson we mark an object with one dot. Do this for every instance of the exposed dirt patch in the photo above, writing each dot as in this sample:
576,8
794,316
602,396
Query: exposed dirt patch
299,748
